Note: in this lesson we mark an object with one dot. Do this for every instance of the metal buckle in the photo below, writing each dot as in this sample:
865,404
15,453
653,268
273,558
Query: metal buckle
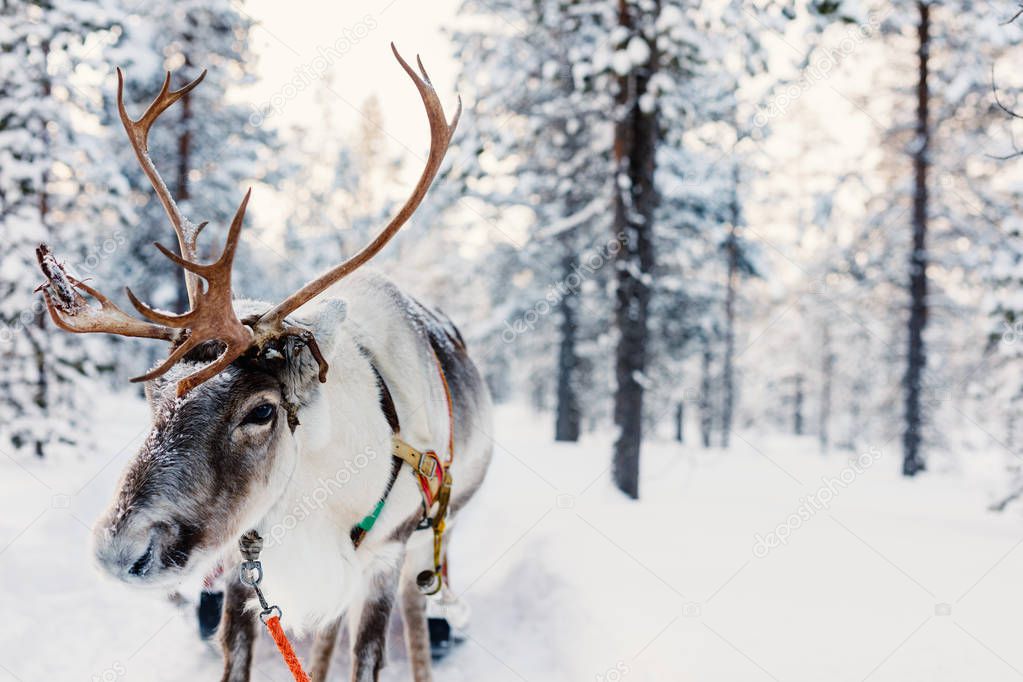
425,457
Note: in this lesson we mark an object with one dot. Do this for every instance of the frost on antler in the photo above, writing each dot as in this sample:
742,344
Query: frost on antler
72,312
58,286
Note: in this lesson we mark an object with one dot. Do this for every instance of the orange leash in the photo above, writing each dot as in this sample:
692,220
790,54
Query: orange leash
273,624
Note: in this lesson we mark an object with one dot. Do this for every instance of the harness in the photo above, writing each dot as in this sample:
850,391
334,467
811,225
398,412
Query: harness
434,480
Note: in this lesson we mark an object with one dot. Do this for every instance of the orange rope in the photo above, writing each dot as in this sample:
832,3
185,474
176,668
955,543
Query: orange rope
273,624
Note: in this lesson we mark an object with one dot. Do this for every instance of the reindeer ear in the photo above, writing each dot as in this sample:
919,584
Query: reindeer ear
328,317
295,362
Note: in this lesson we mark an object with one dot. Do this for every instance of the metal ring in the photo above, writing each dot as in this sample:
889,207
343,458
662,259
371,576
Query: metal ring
438,584
267,613
249,569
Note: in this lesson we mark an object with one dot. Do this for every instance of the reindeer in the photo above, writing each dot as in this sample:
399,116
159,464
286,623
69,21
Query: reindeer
249,426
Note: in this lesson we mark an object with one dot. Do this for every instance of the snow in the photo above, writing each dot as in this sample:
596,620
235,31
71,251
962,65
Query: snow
639,51
890,580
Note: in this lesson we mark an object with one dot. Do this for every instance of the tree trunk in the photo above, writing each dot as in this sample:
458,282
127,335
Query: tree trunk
706,413
728,372
855,427
680,422
916,360
797,406
635,143
181,193
827,378
566,426
42,387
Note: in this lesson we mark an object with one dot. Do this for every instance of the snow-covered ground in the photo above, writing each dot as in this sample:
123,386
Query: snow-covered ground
878,578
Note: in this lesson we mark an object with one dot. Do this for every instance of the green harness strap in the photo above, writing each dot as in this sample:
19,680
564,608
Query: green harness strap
367,523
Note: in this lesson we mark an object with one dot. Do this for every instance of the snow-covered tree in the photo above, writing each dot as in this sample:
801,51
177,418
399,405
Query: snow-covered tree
541,141
57,184
944,138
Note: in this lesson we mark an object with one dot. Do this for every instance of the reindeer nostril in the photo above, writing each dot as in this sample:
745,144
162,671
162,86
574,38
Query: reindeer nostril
141,567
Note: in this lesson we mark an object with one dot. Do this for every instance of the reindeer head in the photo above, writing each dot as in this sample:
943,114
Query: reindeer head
212,465
225,401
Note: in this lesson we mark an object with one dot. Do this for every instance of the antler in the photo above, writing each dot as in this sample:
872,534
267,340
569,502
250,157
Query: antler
211,315
138,134
270,323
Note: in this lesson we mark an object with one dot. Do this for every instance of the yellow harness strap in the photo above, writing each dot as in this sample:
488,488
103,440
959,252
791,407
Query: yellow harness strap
426,465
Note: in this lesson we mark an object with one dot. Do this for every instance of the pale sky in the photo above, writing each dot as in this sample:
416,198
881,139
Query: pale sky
342,49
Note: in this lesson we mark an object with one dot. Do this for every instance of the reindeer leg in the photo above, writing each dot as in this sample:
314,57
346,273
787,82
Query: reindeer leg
369,626
238,632
323,650
417,635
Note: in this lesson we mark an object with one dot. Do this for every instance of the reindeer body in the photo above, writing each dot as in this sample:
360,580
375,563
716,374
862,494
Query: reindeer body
206,475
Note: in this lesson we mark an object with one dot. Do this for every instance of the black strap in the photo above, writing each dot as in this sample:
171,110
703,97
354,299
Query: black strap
391,414
386,401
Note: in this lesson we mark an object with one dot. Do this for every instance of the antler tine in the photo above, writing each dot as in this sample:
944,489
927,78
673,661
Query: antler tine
164,367
138,135
182,321
422,69
166,99
161,103
212,308
270,323
226,260
231,353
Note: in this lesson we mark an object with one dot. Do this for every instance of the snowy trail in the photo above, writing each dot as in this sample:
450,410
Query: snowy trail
895,580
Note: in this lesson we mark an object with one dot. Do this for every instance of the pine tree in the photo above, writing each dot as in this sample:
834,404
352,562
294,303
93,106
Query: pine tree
534,101
947,147
51,172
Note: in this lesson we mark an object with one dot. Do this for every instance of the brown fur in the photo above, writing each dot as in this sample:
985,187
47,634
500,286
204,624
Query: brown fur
237,633
323,651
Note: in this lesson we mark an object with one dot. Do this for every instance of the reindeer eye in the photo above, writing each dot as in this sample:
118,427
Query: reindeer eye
260,415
